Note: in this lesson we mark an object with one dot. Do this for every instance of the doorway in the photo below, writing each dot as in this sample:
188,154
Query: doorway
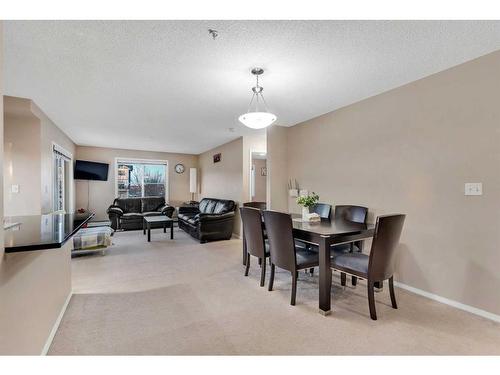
258,177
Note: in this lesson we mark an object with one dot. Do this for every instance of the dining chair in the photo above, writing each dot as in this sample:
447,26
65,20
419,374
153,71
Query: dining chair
258,205
324,210
380,264
284,253
254,239
356,214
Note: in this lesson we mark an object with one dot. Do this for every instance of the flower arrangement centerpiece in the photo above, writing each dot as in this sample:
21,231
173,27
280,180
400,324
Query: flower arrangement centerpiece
307,201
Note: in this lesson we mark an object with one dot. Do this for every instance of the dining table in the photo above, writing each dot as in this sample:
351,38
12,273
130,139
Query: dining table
324,234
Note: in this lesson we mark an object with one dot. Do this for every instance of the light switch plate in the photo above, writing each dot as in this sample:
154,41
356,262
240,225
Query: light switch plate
15,189
473,188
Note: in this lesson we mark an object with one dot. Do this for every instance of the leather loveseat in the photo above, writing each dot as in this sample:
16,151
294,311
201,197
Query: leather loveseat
211,220
128,213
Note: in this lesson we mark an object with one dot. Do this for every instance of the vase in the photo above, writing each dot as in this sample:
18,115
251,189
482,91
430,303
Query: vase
305,213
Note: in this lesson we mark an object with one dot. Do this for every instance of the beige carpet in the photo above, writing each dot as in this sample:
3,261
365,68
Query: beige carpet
180,297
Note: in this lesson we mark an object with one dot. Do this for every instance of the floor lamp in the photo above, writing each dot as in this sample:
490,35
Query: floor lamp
192,182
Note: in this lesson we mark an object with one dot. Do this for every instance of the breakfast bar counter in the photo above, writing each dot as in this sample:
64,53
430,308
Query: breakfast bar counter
41,232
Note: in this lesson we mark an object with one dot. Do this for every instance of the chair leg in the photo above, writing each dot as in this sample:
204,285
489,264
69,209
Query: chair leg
271,278
354,280
247,264
260,261
342,278
311,271
263,272
294,288
371,300
391,290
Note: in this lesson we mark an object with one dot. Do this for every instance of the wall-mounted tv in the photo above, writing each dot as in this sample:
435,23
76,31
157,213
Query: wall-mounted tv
90,170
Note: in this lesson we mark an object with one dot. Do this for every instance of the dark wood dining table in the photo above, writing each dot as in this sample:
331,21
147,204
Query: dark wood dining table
324,234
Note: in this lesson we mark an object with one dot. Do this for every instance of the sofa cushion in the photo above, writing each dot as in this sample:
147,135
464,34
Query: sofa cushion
209,209
203,204
132,216
129,204
151,213
185,217
151,203
223,207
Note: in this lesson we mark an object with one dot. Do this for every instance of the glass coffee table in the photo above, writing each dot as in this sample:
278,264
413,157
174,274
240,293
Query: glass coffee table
167,222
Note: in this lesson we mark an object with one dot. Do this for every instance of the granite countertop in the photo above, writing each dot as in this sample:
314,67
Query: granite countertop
41,232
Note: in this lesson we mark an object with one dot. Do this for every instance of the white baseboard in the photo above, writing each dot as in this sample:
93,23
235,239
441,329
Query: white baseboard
458,305
46,347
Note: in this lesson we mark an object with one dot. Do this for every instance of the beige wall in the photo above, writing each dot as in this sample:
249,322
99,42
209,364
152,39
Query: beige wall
411,150
29,136
22,164
260,181
277,168
50,134
102,193
223,180
34,287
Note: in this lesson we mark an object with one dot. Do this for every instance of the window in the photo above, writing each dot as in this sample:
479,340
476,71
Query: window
141,178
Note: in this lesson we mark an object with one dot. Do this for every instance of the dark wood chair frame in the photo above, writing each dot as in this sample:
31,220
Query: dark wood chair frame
381,260
253,236
283,250
358,214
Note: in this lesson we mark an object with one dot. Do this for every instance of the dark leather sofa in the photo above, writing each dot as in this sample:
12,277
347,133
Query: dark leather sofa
211,220
128,213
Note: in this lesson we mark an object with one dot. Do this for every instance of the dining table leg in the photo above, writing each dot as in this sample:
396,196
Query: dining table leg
325,276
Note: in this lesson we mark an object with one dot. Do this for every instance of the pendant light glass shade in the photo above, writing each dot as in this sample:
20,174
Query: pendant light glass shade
257,118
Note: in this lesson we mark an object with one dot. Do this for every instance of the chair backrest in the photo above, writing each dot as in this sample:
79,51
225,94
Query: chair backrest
216,206
385,241
258,205
324,210
280,236
357,214
129,205
252,231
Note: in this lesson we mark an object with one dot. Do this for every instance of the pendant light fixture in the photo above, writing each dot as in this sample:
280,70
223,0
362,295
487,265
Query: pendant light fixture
257,116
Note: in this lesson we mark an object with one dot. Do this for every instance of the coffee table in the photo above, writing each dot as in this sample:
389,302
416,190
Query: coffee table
168,222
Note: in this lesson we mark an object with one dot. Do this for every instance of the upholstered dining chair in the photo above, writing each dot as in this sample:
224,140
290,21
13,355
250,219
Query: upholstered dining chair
259,205
284,253
254,239
324,210
356,214
380,264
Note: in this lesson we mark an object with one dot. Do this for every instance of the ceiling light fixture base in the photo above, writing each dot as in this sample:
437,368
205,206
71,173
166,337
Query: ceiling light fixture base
257,71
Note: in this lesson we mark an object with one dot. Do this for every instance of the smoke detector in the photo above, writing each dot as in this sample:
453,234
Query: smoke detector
213,33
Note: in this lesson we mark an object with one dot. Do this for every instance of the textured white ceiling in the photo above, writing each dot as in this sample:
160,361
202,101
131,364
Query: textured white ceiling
167,86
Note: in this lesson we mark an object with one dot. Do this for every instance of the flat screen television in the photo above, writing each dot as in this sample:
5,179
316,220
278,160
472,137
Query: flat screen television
90,170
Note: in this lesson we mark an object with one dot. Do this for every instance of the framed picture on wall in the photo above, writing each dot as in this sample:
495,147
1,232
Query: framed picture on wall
263,171
217,157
